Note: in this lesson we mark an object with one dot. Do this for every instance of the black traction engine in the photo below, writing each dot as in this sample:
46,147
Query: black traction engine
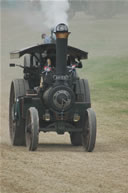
51,96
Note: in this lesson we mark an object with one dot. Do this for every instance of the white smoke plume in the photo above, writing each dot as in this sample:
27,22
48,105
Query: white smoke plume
41,14
45,13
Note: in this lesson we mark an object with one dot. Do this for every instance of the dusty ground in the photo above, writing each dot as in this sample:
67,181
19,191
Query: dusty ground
57,167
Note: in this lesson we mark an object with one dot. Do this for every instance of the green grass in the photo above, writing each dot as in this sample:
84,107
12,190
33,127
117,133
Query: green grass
108,80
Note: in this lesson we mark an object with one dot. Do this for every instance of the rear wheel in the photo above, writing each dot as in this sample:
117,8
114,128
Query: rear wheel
89,131
16,123
83,92
83,95
32,129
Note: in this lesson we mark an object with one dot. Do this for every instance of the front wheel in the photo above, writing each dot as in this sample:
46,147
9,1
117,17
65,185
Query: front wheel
89,131
32,129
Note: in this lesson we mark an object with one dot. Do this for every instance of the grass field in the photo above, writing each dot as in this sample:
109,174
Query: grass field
109,79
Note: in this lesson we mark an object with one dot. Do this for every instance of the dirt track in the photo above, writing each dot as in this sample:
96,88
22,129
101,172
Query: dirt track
57,167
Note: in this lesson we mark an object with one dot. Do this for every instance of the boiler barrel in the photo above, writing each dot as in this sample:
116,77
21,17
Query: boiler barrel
61,56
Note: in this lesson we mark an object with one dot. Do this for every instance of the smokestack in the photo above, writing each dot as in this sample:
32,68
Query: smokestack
61,48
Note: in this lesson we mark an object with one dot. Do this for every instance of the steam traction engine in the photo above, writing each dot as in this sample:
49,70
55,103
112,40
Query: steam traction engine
51,96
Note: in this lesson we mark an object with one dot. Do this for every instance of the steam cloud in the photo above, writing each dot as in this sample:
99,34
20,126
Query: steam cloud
48,14
41,14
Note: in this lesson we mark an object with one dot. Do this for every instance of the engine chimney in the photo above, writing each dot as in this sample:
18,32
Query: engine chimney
61,48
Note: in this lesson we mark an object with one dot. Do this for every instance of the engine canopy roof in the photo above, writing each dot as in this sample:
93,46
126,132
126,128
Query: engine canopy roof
50,50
